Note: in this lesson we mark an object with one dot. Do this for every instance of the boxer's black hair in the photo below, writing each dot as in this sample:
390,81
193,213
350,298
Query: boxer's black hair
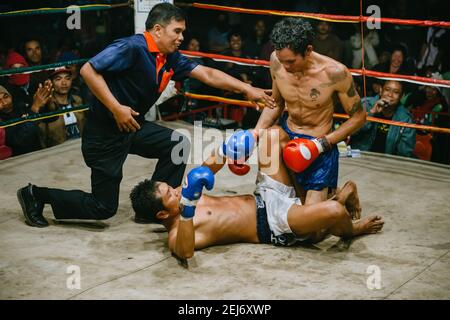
292,33
146,201
162,14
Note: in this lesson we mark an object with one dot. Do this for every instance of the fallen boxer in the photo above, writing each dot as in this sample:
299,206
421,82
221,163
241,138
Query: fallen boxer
272,215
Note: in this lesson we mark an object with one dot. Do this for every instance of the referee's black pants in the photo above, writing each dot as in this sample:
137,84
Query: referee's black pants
104,150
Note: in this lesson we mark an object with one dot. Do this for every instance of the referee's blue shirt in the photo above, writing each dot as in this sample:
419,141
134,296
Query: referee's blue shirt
129,67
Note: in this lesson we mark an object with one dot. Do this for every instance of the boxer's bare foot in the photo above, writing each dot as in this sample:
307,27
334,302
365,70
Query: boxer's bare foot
348,196
353,206
367,225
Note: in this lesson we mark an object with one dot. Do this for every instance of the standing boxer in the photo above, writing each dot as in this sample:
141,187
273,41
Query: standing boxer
306,83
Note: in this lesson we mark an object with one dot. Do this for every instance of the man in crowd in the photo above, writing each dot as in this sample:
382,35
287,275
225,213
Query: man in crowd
21,138
384,138
33,54
67,126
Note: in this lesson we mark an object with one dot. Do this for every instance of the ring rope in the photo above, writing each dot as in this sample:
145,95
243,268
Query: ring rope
89,7
336,115
248,62
41,116
43,67
323,17
242,103
357,72
223,58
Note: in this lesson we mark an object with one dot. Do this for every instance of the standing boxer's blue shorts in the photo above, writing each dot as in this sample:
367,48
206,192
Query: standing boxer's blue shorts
323,172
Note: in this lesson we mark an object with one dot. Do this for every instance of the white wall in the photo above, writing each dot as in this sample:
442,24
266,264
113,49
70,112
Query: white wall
141,10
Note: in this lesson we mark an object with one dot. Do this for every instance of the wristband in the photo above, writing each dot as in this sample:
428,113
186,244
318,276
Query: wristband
326,145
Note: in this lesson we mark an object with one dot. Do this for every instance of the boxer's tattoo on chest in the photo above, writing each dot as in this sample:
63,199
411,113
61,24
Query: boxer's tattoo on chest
351,91
314,94
356,107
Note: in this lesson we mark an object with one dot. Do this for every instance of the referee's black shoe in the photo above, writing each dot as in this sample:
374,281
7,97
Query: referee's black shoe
31,207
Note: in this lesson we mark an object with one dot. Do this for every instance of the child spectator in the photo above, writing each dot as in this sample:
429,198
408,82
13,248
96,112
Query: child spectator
70,125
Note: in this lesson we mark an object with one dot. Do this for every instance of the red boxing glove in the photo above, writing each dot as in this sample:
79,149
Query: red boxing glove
300,153
239,169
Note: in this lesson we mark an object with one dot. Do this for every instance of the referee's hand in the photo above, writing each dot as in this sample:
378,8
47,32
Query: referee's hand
124,119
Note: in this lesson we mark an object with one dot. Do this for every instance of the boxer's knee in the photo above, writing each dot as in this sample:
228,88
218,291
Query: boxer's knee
336,211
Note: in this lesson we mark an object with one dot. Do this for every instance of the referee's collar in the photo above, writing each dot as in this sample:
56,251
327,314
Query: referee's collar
152,47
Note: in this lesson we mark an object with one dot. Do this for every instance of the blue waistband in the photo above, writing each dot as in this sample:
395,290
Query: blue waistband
292,134
262,225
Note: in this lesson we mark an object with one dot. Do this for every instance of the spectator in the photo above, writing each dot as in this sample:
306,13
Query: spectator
20,138
19,86
237,71
431,52
33,55
327,43
254,44
218,35
194,45
371,41
381,137
434,40
79,87
190,84
397,64
58,129
425,100
5,151
236,50
33,52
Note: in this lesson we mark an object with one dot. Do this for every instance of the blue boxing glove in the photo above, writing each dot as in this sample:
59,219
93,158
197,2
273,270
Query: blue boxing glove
239,146
192,189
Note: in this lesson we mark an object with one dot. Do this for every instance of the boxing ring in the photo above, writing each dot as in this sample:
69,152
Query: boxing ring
119,259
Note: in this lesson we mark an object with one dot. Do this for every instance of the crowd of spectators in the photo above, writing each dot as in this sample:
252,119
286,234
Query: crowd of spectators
396,49
36,41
